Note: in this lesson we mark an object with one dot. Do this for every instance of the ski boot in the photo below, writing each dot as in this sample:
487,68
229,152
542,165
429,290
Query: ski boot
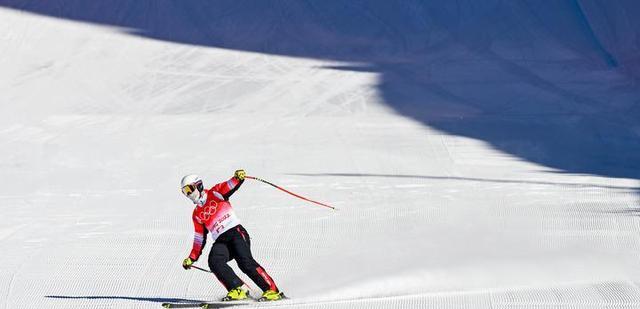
236,294
271,295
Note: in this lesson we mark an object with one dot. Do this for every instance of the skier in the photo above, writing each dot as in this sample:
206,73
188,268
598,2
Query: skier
213,214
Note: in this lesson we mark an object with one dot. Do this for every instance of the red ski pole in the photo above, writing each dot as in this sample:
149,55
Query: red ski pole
289,192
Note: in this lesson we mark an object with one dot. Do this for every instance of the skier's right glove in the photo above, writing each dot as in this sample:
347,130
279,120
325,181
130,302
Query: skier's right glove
186,264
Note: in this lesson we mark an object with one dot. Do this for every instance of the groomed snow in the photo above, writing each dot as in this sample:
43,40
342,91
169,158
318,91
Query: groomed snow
97,126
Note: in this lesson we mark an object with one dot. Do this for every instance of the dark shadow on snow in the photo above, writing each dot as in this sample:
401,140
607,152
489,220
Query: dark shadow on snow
556,83
505,181
634,212
143,299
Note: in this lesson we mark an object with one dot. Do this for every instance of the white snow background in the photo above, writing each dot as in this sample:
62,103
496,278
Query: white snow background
98,124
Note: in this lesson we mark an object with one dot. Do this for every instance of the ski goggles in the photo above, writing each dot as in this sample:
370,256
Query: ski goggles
190,188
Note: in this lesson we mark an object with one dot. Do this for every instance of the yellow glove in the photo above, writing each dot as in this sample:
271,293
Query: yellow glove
186,264
240,174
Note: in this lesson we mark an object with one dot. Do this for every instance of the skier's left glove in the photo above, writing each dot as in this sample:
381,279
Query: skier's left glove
240,174
186,264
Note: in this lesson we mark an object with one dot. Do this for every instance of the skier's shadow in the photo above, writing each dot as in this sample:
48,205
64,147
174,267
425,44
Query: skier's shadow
143,299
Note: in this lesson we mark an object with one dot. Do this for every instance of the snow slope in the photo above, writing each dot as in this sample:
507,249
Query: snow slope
518,190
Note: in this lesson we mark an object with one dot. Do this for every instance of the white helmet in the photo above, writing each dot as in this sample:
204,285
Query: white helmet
191,186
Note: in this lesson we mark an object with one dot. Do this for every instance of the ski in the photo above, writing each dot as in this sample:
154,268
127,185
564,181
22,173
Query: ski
222,305
211,305
256,303
180,305
214,305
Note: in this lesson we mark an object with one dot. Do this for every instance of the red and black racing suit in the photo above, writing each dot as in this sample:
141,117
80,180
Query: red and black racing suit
232,242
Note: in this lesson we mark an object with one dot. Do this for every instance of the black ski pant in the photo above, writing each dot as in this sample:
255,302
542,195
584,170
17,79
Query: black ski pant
235,244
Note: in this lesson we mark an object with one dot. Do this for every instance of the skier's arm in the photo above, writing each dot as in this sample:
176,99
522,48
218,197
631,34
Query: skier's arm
229,187
199,240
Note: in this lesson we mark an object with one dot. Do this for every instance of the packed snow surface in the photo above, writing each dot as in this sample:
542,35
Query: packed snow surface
481,154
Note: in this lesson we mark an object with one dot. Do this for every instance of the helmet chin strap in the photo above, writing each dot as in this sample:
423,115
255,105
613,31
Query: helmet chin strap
202,199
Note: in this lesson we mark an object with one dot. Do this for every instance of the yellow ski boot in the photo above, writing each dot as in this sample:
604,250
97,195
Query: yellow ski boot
236,294
271,295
